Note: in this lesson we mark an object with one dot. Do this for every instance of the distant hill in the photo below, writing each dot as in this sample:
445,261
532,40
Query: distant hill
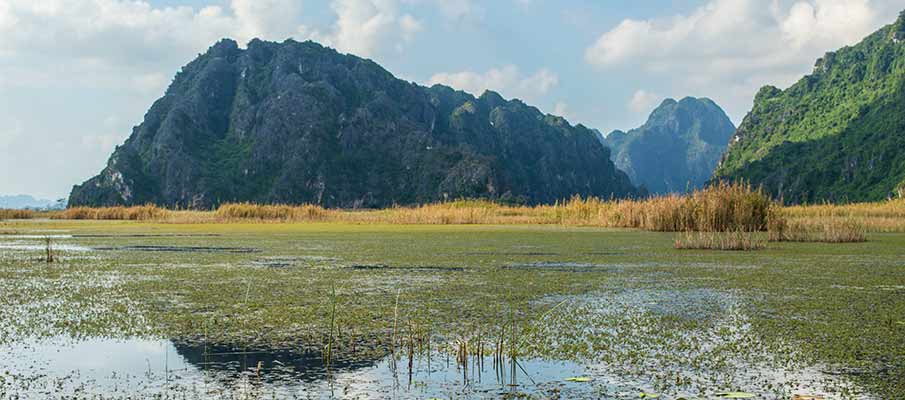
19,202
836,135
299,123
678,147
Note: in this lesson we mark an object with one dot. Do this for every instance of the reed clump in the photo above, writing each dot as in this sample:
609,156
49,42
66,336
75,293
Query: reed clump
263,212
16,214
884,216
135,213
824,230
739,240
724,207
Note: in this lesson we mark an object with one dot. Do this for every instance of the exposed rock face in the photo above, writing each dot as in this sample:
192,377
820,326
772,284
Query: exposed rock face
299,123
836,135
678,147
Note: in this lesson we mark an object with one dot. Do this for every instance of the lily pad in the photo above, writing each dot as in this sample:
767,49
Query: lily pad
649,395
579,379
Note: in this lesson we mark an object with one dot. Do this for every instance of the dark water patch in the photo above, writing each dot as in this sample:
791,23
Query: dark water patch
423,268
561,266
510,253
274,263
290,261
183,249
604,253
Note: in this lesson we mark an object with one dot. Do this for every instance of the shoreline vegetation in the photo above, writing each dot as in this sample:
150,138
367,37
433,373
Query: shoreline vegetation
738,210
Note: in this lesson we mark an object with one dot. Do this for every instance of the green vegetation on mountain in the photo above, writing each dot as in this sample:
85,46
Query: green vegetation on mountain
836,135
678,147
299,123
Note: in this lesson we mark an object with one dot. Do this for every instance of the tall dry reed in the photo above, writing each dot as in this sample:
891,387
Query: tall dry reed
823,229
719,208
135,213
883,216
16,214
248,211
729,241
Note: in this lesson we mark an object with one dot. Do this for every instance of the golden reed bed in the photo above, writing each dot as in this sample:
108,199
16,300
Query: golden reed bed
719,208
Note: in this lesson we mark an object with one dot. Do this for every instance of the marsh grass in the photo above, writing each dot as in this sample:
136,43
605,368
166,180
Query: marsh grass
719,208
882,217
248,211
722,207
822,230
135,213
16,214
729,241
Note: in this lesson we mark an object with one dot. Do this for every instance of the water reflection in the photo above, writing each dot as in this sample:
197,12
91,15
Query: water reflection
166,369
277,365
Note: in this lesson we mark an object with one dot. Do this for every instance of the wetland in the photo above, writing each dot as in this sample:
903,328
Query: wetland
334,310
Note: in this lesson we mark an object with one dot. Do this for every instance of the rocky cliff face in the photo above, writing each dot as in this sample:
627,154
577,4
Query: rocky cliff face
678,147
836,135
299,123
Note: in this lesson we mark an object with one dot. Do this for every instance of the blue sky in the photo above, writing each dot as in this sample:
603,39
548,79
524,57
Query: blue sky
76,76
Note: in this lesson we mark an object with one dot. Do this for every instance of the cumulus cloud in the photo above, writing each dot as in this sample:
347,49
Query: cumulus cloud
111,42
366,27
274,19
729,48
508,80
643,102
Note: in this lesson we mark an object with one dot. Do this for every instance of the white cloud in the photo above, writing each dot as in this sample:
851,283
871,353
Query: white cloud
274,19
507,80
111,42
729,48
562,109
643,102
365,27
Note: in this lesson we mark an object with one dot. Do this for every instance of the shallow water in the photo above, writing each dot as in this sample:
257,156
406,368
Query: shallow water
32,246
168,368
171,369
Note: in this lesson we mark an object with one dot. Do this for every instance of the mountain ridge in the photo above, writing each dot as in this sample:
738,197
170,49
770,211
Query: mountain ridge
677,148
835,135
295,122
